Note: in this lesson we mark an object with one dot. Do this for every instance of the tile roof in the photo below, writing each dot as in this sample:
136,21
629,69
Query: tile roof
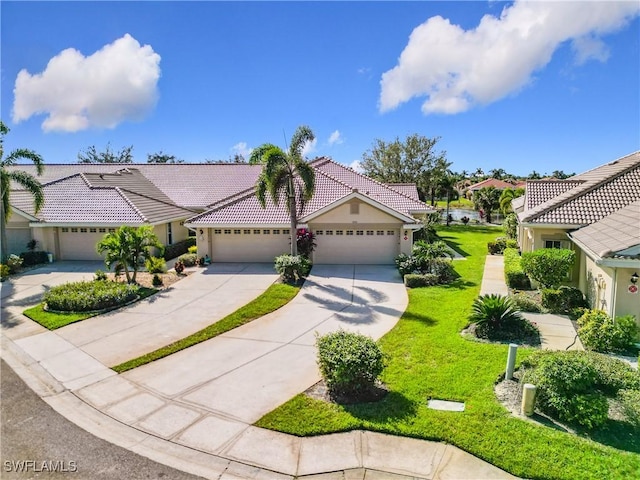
586,198
408,189
491,182
614,234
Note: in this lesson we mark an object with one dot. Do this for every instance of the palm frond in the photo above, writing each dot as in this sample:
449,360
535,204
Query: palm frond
308,177
262,186
274,160
301,136
26,154
29,183
279,185
257,154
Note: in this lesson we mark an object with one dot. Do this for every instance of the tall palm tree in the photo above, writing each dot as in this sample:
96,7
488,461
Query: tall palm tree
24,179
507,195
286,174
487,199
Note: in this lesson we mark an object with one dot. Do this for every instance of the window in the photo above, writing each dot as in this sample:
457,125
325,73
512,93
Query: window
276,231
247,231
217,231
380,232
339,232
267,232
65,230
236,231
329,232
319,232
74,230
354,208
83,230
112,230
369,232
191,233
227,231
102,230
93,230
359,232
286,231
169,234
390,232
256,232
552,244
349,232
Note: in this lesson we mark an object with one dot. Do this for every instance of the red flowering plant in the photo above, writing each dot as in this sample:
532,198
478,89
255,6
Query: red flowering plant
306,242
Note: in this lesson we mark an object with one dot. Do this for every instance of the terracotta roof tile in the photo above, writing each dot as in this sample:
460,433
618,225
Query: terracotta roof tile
491,182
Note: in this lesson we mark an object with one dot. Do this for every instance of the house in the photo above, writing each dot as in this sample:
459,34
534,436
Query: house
597,214
355,219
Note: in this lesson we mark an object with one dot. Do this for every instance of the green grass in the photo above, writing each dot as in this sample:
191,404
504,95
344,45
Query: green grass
273,298
52,320
427,358
460,203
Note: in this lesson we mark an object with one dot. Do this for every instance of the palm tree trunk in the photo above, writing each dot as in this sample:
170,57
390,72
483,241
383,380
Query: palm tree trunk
294,223
4,246
448,201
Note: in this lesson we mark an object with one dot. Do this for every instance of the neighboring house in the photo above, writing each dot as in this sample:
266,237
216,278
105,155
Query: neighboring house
597,214
356,219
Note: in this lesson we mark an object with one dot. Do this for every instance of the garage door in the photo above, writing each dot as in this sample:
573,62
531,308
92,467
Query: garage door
80,243
248,245
369,247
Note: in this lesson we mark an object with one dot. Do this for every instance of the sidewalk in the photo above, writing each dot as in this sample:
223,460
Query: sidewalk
556,331
183,413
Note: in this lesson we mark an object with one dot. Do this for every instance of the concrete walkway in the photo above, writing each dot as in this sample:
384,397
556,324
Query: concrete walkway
194,410
556,331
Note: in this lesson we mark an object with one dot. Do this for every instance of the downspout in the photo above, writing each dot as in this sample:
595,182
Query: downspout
614,293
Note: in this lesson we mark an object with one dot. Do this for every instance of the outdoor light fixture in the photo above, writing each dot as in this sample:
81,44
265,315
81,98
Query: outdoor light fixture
201,232
634,278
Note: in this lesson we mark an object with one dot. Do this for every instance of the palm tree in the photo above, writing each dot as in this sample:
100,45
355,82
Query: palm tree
24,179
487,199
508,194
127,247
286,174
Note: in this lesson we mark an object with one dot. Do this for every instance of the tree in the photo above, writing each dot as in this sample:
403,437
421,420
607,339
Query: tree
24,179
91,155
286,174
413,160
128,247
534,176
447,184
487,199
507,195
560,175
497,173
161,157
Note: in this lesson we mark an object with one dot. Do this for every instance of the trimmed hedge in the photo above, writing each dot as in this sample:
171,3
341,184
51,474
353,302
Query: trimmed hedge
513,274
599,332
562,300
188,259
415,280
34,258
89,296
498,246
179,248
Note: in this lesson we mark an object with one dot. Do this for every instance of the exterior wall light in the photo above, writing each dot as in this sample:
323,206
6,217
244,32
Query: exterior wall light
634,278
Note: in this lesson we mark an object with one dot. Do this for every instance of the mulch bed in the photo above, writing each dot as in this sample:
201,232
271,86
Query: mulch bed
319,391
145,279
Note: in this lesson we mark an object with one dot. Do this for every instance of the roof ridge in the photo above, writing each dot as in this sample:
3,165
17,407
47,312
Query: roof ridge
608,163
171,204
58,180
224,203
240,195
131,204
331,177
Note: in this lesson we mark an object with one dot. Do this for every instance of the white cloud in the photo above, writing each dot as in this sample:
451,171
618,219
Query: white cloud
335,138
242,149
456,68
356,166
114,84
309,147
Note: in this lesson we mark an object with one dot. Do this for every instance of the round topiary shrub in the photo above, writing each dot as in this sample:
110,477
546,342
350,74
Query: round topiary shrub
350,363
89,296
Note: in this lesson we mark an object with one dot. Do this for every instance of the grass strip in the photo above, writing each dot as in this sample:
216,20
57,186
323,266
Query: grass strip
273,298
54,320
428,358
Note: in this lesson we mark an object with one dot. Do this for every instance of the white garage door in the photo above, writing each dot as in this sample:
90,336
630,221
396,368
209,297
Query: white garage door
80,243
367,247
248,244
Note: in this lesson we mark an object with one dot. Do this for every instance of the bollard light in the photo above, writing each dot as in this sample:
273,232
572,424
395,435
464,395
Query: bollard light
528,399
511,361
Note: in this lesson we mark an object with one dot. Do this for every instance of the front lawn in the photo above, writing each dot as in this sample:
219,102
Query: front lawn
428,358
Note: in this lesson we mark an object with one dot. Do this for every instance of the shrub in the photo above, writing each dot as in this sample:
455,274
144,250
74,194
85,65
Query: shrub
510,225
155,265
4,271
498,246
630,401
306,242
156,281
188,259
562,300
443,269
599,332
292,268
496,318
349,363
465,220
14,262
513,274
548,266
406,264
32,244
179,248
612,374
100,276
34,258
192,249
88,296
416,280
179,267
524,303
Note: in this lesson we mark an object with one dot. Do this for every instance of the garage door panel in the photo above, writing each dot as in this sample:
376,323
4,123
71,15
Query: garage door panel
249,247
371,247
76,244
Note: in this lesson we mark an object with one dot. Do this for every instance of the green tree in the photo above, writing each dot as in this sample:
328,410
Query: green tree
92,155
128,247
161,157
487,199
286,174
22,178
507,195
414,160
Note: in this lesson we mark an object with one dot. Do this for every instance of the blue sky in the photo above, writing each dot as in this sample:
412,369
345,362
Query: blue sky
519,86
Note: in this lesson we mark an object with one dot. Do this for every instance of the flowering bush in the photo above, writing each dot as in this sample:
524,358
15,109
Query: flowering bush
14,262
292,268
306,242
